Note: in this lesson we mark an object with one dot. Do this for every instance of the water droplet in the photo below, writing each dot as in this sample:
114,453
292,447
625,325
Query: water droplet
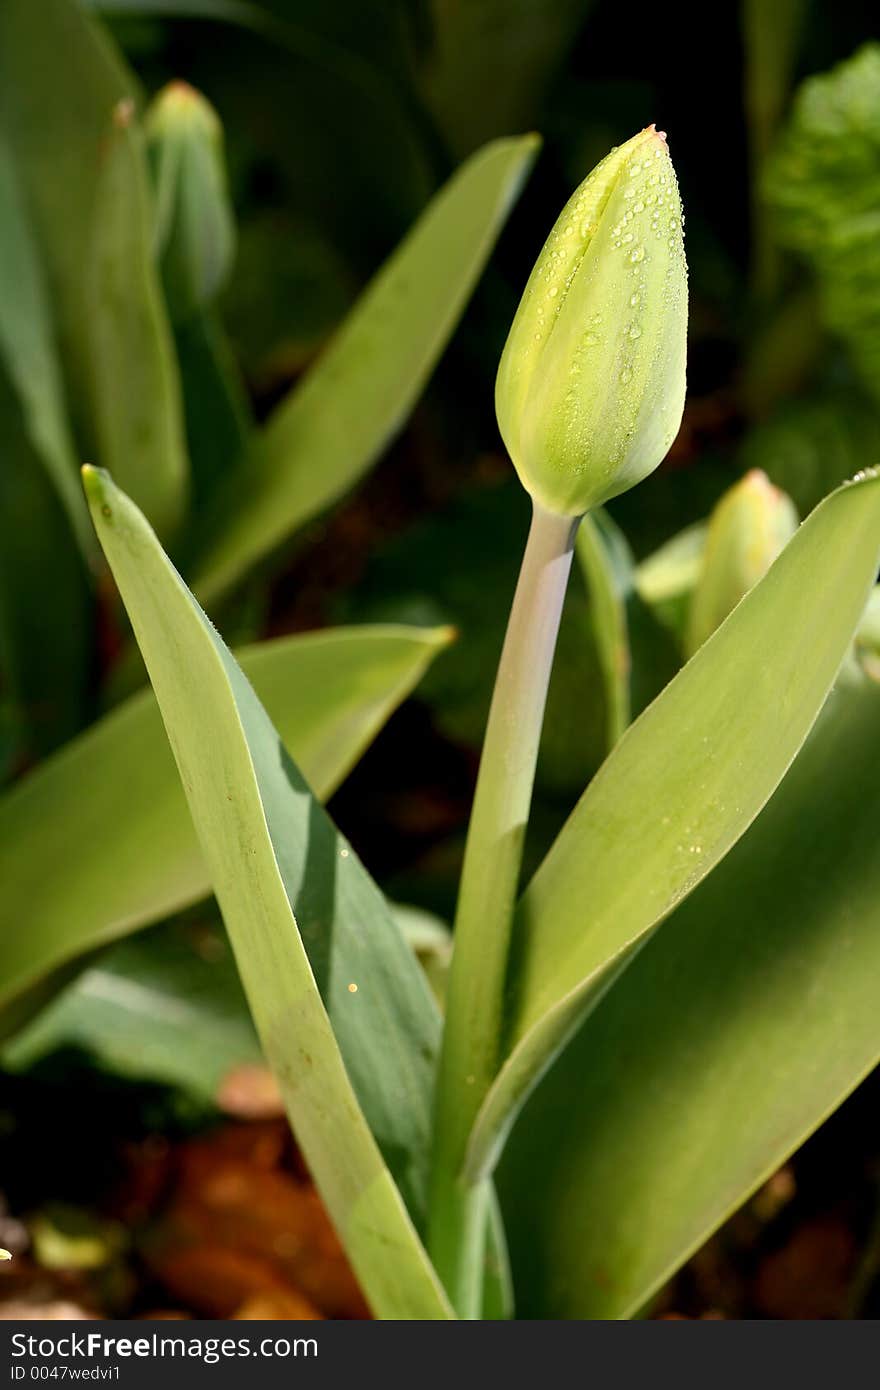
625,375
637,254
635,331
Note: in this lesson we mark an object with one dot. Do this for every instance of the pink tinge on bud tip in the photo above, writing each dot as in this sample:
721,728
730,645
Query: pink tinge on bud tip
123,113
182,90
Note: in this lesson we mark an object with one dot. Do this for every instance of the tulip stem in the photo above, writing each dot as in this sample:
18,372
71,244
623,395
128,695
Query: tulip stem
489,883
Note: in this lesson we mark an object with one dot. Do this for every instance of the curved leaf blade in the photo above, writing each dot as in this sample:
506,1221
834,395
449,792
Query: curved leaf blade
267,845
156,1007
109,813
323,438
137,406
607,567
29,351
87,188
45,616
756,1009
681,786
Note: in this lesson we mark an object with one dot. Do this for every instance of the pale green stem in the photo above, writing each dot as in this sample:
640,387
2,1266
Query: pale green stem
490,878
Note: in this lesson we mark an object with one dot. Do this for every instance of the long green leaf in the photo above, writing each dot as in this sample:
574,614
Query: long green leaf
607,568
268,845
158,1007
682,785
29,351
771,35
747,1018
492,62
672,570
332,427
137,405
84,174
108,812
56,100
218,416
45,620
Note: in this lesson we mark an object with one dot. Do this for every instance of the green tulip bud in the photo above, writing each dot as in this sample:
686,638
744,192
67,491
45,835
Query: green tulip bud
591,383
748,528
195,229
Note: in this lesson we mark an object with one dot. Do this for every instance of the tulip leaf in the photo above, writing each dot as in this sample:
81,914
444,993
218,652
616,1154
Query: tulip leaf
43,85
491,62
606,563
67,109
28,349
218,419
673,568
822,185
116,787
138,409
757,1015
268,845
681,787
163,1006
45,620
771,38
325,435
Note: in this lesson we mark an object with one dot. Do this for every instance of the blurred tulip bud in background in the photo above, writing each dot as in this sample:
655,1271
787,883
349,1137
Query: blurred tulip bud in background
748,528
591,383
195,230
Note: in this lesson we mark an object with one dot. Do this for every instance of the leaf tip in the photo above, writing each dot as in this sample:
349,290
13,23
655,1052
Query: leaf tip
96,485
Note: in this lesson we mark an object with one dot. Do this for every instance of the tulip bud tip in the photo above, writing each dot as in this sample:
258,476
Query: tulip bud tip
123,113
591,383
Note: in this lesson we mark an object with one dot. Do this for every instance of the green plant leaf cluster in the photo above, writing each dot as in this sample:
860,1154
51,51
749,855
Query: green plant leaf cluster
102,359
691,986
822,184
